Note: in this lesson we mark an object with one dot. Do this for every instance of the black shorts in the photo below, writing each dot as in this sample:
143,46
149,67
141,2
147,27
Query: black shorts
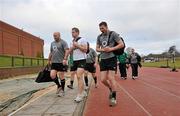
78,64
90,67
108,64
59,67
73,68
122,69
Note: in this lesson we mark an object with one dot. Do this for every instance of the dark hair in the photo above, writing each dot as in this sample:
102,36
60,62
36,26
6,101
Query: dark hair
88,44
75,29
103,23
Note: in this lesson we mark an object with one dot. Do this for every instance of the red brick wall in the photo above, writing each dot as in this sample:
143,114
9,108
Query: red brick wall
14,41
1,47
26,45
10,42
37,47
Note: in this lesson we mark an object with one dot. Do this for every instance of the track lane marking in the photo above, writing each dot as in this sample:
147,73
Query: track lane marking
141,106
153,86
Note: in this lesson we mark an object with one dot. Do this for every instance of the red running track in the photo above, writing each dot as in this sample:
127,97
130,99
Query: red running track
155,93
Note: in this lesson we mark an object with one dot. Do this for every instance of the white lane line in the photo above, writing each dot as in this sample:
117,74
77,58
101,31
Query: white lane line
150,76
31,102
135,100
150,85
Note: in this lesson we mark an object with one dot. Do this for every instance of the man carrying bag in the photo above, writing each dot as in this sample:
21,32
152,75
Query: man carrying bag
58,61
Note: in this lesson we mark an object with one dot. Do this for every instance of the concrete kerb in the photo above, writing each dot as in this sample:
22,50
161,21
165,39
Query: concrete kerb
81,106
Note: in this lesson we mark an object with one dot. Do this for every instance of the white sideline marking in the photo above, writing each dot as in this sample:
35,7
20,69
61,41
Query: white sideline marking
162,80
135,100
150,85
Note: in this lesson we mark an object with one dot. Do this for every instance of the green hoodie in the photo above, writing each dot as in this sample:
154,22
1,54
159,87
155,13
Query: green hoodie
122,58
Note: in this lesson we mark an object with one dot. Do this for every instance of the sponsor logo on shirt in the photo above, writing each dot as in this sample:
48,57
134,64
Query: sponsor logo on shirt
54,48
104,43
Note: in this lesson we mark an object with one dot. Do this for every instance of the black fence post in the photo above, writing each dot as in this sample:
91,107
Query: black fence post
23,61
167,63
12,61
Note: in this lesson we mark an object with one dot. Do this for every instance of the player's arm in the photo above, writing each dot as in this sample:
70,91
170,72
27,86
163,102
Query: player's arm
82,47
50,56
66,54
119,41
99,49
69,51
96,58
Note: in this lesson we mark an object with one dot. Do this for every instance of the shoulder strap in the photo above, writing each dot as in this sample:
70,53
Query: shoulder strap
109,37
78,39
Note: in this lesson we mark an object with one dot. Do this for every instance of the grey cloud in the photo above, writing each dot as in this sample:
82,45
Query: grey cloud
138,21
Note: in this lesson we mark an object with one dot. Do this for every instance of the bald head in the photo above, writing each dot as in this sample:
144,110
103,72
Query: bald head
57,36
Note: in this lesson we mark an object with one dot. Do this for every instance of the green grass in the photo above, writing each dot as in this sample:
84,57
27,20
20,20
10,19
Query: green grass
6,61
162,63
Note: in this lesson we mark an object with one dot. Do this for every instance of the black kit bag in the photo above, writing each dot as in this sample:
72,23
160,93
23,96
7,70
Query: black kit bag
118,51
44,75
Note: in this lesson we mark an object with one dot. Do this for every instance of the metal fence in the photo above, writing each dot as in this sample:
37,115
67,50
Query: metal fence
20,61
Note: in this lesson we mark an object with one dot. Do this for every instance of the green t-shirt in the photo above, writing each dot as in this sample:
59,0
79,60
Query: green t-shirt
122,58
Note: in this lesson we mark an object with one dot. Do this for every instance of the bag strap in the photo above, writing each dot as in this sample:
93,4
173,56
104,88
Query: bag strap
88,46
78,39
46,67
109,37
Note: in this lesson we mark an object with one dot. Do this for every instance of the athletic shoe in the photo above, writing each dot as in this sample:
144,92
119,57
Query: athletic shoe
58,90
79,98
70,86
133,77
61,93
86,88
125,78
113,102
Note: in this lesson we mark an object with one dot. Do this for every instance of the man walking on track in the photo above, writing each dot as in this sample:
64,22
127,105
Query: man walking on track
135,61
122,59
91,63
108,64
58,61
79,49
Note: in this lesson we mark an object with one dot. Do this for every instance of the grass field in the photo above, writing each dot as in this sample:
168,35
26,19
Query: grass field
8,61
162,63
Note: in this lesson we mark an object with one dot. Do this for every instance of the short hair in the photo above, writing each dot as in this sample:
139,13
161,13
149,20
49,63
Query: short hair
75,29
88,44
103,23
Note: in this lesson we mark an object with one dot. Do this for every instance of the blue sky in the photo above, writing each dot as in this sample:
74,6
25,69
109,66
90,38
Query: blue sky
149,26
